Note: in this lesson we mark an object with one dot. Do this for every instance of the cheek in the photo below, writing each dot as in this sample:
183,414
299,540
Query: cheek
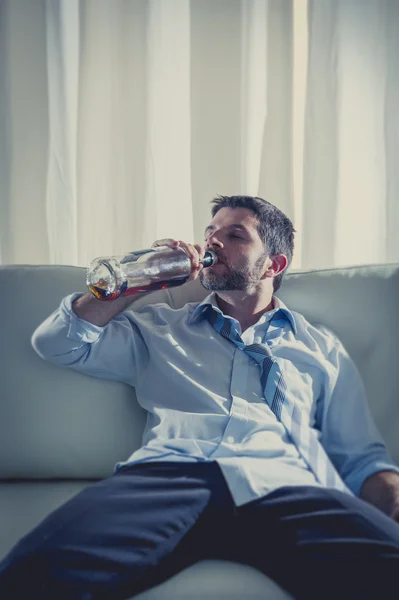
240,257
243,263
237,258
250,261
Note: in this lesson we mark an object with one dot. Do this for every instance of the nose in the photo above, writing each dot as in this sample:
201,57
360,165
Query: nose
213,240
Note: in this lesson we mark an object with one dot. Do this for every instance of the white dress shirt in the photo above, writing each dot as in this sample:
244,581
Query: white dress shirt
204,399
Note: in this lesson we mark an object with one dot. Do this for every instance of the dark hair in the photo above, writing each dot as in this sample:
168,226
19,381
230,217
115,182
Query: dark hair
274,227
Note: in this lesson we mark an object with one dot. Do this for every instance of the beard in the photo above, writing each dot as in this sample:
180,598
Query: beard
233,278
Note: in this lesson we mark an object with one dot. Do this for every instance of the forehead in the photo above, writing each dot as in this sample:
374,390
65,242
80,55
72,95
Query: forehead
232,216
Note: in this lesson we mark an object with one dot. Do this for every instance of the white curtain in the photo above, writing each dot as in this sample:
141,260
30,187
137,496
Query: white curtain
351,176
121,119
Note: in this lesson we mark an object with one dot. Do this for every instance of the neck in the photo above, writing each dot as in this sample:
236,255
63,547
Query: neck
245,308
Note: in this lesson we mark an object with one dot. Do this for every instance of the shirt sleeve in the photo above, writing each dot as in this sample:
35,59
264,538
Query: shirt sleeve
116,351
348,431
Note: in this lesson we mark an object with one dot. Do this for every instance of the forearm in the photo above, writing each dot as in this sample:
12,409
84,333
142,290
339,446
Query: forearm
95,311
62,339
382,490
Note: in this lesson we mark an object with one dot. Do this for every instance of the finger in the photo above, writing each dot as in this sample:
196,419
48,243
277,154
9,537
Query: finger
395,514
196,265
170,242
192,253
201,250
195,271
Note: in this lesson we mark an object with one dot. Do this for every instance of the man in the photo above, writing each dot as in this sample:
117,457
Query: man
259,446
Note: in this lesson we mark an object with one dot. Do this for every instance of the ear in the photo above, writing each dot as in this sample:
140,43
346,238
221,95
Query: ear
275,265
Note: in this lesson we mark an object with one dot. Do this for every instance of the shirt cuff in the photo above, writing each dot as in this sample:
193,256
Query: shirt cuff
355,481
79,330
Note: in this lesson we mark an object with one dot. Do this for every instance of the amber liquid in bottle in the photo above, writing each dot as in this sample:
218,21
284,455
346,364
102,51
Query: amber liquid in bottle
102,294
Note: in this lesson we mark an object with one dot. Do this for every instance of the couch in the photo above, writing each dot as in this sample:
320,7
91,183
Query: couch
61,430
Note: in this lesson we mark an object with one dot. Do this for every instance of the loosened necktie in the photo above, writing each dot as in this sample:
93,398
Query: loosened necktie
279,401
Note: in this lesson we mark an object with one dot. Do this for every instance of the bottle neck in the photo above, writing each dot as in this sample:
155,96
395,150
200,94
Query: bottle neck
210,258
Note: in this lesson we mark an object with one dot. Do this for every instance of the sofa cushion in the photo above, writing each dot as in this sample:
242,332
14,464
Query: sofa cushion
215,580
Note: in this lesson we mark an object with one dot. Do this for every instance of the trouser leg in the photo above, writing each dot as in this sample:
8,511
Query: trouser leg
121,535
322,544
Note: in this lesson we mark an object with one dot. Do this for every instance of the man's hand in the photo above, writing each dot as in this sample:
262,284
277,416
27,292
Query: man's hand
382,490
395,512
194,251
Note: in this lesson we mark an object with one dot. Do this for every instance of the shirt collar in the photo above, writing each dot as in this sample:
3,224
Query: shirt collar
278,305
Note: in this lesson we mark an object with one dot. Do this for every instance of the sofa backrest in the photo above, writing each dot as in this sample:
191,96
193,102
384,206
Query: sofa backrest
57,423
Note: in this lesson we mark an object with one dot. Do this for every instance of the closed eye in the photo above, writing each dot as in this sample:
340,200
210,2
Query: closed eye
230,235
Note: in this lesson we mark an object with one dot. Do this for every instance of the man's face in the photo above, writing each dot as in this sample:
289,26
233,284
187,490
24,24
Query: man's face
233,236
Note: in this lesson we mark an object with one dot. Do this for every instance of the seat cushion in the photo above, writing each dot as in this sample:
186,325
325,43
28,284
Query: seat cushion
214,580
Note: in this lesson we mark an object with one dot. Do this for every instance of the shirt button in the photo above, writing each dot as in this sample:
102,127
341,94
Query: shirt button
230,439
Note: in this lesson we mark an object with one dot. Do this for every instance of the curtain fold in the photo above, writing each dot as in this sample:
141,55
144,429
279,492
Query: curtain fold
276,167
361,194
112,128
168,200
5,138
120,120
62,27
24,132
320,154
391,129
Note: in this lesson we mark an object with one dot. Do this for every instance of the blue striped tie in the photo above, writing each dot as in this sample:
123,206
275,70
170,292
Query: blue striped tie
281,403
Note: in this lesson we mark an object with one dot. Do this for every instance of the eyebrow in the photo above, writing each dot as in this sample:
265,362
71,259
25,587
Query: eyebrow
232,226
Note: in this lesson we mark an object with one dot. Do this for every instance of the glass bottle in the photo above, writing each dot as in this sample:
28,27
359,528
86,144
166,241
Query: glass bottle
140,272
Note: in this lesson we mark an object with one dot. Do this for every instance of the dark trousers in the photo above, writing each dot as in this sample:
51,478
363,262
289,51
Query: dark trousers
141,526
